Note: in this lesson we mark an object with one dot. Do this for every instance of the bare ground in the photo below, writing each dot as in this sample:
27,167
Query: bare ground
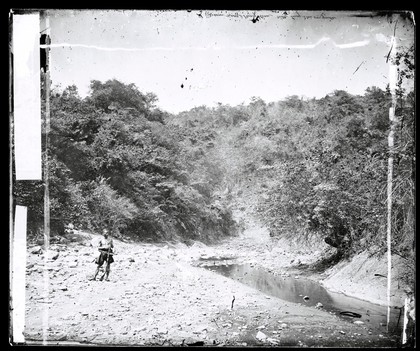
157,296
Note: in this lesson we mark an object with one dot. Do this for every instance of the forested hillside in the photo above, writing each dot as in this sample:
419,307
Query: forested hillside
303,167
315,167
114,163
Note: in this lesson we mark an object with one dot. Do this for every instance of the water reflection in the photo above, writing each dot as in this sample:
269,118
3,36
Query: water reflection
293,290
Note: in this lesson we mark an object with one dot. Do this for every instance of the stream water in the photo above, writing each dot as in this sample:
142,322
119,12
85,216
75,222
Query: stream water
295,289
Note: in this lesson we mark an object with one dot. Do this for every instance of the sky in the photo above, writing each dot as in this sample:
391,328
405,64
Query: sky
196,58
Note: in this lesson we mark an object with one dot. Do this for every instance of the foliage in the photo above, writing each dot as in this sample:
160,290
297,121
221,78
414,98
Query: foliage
304,167
114,163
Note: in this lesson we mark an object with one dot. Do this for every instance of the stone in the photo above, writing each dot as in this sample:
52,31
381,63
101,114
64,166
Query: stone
319,305
261,327
306,297
273,341
73,264
358,322
36,250
162,331
261,336
52,255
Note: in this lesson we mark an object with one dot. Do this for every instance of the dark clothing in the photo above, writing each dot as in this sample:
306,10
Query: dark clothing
103,256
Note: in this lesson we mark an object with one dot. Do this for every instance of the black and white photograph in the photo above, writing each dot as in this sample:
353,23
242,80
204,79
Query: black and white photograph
214,178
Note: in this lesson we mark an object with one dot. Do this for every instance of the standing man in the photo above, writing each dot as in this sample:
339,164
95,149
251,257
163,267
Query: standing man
106,249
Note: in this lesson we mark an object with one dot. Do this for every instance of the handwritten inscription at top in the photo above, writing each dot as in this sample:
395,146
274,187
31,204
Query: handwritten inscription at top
282,15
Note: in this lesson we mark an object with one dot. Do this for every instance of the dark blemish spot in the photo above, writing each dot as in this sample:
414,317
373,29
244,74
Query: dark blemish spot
255,19
182,85
191,69
186,78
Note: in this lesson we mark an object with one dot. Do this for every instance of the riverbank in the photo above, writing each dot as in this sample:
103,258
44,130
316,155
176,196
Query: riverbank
156,296
363,277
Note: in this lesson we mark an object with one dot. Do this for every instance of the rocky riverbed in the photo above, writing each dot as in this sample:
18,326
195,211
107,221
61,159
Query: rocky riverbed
158,295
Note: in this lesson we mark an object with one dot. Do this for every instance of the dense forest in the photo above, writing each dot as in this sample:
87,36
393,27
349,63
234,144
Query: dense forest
303,167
